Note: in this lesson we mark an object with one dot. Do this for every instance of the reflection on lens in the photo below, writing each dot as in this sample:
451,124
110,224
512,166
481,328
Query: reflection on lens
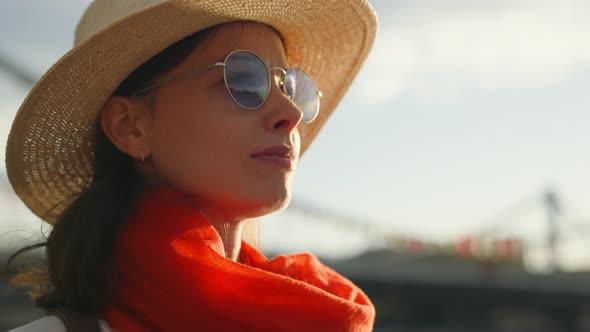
247,79
304,93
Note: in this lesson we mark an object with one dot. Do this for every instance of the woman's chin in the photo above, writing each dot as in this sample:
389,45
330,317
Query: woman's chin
269,205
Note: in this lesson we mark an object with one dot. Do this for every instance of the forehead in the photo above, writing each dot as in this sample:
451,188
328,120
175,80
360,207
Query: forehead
256,37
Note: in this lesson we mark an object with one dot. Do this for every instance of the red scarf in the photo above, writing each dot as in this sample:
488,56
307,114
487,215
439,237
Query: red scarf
174,277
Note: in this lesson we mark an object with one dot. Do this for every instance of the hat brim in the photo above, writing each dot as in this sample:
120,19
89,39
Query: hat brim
49,153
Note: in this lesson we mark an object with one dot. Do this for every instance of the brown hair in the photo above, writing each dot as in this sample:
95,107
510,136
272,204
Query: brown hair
80,272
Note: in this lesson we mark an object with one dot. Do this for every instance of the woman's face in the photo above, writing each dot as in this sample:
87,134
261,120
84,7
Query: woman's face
202,143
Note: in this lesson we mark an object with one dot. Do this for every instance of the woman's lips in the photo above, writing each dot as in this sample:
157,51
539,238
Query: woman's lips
279,155
277,160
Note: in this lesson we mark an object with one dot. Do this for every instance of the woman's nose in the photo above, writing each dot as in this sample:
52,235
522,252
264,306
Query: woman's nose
283,113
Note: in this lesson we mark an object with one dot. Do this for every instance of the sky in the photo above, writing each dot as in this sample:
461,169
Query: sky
464,112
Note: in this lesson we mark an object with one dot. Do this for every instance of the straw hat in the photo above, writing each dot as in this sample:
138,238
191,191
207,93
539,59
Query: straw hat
49,154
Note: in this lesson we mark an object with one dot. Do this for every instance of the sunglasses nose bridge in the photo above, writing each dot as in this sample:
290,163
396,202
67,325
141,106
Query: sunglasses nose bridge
282,70
282,80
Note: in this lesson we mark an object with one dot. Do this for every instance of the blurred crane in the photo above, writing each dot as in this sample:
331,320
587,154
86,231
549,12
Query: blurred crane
10,66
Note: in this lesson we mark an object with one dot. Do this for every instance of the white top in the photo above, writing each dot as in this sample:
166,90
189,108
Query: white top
53,324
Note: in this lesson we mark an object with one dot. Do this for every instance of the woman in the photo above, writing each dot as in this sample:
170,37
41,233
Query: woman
154,144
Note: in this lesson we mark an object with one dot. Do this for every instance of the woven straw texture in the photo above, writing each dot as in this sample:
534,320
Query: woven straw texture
49,154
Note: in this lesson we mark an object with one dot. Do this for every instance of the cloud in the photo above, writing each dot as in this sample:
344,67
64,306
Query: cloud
439,53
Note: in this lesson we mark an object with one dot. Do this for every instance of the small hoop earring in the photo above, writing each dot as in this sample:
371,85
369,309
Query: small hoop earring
142,158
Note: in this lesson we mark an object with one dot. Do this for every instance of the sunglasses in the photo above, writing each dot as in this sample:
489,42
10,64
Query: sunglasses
248,80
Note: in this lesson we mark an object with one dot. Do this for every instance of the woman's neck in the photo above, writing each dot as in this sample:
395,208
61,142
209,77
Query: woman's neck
229,231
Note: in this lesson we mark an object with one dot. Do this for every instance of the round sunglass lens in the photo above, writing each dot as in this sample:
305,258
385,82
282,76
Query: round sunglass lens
247,79
304,93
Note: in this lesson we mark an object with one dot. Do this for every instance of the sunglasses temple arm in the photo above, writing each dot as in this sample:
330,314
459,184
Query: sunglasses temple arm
191,72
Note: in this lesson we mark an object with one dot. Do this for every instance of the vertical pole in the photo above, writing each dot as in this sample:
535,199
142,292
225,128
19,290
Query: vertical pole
552,209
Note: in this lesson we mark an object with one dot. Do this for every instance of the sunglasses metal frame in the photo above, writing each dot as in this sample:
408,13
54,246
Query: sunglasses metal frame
223,64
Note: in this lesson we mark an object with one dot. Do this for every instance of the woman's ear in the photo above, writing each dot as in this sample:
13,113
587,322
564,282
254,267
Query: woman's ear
127,123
